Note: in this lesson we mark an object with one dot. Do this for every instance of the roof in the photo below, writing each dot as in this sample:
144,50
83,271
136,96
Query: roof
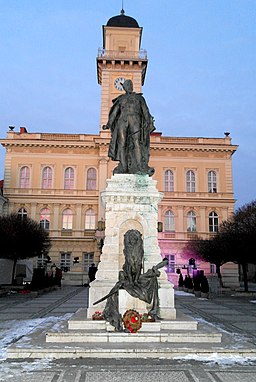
122,21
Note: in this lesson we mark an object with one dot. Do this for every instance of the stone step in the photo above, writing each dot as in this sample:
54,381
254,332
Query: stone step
119,351
80,322
91,336
146,326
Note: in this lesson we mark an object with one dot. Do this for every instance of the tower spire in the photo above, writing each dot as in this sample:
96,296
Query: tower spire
122,10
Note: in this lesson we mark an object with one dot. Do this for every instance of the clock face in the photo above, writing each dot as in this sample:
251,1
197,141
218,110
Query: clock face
119,82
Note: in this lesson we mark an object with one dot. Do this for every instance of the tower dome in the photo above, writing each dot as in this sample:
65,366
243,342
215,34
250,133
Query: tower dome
122,21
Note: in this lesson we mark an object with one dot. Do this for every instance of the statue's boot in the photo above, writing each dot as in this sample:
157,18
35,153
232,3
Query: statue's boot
120,169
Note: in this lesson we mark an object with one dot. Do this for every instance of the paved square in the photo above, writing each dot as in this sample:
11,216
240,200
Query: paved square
159,376
234,377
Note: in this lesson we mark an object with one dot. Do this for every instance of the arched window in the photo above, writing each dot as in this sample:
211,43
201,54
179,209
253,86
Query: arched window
47,177
22,213
190,181
91,179
67,219
191,221
212,181
168,181
45,218
24,177
69,178
169,221
90,219
213,222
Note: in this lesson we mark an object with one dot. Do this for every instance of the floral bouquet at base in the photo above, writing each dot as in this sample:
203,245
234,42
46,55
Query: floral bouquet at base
97,316
146,317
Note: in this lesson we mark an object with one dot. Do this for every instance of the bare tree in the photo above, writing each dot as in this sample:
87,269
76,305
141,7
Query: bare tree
235,241
240,233
22,239
211,250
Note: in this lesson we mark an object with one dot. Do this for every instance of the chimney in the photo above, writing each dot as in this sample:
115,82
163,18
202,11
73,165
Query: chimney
23,130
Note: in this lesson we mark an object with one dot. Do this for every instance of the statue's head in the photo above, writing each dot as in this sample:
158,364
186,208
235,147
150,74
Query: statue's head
128,86
132,237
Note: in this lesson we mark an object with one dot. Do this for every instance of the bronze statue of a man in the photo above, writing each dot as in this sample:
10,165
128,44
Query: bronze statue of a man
130,123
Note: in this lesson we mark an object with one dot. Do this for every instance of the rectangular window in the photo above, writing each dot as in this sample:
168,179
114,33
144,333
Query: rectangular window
67,222
47,178
91,184
213,222
87,260
171,262
65,261
90,219
212,182
169,222
41,260
212,268
191,223
91,179
190,181
24,177
69,178
168,181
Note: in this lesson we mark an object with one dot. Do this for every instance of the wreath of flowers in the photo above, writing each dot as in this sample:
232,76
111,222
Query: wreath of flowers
132,320
97,316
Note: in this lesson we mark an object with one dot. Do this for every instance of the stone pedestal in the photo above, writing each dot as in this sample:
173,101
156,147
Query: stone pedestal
126,301
131,202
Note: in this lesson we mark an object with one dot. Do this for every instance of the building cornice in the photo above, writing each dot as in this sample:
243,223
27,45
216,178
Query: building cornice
48,144
81,141
198,148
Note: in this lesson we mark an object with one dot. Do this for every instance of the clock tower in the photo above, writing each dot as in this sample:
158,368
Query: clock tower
120,59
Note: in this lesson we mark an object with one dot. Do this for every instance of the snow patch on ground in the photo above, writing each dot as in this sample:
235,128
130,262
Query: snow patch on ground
238,339
12,370
182,293
12,331
219,359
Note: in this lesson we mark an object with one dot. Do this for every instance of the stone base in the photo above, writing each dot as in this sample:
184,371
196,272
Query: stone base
98,289
166,300
182,322
131,202
182,330
126,302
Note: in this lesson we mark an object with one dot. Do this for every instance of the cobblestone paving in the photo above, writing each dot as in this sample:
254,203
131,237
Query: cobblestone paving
234,314
115,370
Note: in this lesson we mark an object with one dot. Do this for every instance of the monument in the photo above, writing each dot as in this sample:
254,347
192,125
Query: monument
131,203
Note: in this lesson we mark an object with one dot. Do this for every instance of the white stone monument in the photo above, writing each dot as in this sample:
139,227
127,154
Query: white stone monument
131,202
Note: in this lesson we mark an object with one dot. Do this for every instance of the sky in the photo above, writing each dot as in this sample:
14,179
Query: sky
200,82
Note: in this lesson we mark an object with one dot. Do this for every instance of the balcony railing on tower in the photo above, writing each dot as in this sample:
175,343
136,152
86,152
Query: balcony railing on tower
122,54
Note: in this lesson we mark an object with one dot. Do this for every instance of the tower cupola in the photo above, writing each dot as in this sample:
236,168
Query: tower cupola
122,21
